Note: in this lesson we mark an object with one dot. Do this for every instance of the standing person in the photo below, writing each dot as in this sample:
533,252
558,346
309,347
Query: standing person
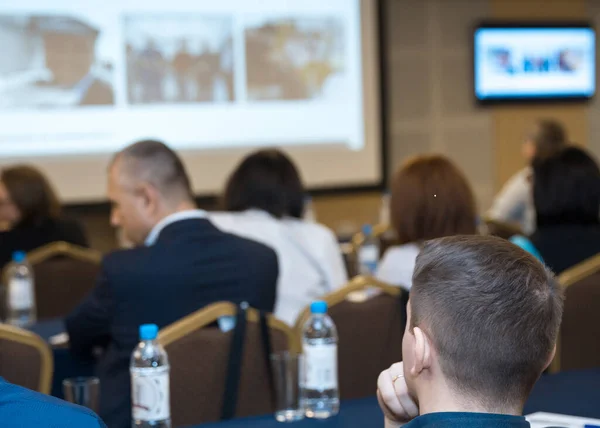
30,214
181,264
264,198
483,320
430,198
182,65
514,203
152,71
566,195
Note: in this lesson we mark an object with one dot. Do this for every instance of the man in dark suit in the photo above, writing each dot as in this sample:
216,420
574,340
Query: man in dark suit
182,263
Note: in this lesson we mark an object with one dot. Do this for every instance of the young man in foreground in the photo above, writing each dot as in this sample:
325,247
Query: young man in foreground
483,319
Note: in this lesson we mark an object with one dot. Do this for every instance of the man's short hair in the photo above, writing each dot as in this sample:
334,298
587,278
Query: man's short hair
492,312
155,163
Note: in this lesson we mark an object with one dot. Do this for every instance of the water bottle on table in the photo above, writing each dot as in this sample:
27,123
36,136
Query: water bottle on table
149,371
368,252
320,396
20,298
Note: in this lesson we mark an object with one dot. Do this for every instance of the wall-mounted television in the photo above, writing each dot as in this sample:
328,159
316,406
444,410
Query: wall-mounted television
534,61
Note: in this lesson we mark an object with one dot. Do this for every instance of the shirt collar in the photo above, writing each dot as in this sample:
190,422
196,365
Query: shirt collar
170,219
464,419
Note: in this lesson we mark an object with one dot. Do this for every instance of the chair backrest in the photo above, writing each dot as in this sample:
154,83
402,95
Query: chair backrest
198,354
25,359
500,229
370,332
578,345
64,275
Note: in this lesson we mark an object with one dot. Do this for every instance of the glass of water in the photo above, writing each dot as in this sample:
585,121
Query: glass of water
84,391
288,369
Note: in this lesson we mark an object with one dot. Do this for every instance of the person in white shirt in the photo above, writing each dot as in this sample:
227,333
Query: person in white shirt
264,201
514,203
430,198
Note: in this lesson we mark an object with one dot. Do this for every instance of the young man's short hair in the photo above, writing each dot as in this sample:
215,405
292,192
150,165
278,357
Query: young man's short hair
492,312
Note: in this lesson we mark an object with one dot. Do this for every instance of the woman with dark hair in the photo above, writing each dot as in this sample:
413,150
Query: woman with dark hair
566,195
264,201
430,198
30,213
514,203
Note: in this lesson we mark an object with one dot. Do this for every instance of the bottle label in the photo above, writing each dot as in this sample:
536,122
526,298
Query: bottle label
368,256
20,294
321,367
150,393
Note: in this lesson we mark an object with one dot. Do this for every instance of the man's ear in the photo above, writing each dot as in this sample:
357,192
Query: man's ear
422,352
150,197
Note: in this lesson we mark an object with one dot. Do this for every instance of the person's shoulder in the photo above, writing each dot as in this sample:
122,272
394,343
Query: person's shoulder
311,230
33,409
400,252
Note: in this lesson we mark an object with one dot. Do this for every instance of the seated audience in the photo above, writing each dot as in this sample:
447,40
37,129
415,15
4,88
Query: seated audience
181,264
514,203
264,198
430,198
30,214
566,194
23,408
483,319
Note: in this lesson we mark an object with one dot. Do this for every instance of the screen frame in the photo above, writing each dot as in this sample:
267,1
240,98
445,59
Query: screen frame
536,99
211,200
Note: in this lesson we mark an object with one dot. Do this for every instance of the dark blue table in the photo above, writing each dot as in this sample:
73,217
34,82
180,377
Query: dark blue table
65,365
572,393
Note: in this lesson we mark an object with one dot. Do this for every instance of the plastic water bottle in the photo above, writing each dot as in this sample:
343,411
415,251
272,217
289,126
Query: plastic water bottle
20,299
149,371
368,253
320,396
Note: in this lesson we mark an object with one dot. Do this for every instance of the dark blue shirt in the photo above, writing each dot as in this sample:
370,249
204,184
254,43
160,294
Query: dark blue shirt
467,420
23,408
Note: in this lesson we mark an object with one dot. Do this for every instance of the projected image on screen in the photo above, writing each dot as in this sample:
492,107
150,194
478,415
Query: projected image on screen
179,59
294,59
53,61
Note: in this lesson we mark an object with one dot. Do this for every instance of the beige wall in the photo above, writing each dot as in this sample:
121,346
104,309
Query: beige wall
431,106
511,124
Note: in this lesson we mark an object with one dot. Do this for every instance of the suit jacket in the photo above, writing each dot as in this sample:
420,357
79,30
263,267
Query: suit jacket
26,237
23,408
192,264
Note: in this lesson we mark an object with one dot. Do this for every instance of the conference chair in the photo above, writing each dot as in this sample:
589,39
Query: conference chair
370,317
578,345
199,355
64,275
500,229
25,359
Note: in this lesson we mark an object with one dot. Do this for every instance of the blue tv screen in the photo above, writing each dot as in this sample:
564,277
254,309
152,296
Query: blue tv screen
537,62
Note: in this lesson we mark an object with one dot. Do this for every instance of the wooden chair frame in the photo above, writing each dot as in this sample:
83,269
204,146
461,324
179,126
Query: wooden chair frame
55,249
358,283
212,313
378,230
30,339
566,279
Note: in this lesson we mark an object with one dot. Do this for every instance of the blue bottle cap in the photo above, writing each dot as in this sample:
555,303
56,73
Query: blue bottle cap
367,230
148,331
318,307
19,256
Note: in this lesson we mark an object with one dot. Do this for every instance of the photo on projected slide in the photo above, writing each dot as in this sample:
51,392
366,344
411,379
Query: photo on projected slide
179,58
294,59
53,62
